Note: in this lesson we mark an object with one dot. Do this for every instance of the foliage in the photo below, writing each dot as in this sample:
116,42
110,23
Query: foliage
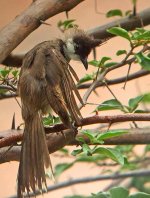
116,192
91,149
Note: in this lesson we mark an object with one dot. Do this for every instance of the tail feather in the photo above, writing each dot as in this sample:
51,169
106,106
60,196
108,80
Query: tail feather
35,160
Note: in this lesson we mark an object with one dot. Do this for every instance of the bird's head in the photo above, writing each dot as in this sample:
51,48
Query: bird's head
78,45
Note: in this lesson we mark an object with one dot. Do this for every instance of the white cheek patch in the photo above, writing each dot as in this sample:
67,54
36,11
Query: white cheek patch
71,50
70,46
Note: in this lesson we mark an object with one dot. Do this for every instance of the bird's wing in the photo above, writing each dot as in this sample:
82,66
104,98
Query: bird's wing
58,73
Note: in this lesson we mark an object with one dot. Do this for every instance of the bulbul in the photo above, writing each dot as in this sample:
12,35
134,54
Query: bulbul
47,81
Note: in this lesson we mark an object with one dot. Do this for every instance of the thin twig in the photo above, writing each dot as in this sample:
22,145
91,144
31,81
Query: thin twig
138,173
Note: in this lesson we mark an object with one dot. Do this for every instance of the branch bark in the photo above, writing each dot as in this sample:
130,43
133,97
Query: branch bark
56,141
115,81
17,30
116,176
128,23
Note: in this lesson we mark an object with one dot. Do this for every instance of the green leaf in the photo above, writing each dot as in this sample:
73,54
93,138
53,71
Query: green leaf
94,63
99,63
111,134
119,192
4,72
86,78
64,151
146,98
144,36
115,12
128,12
119,32
143,60
120,52
93,158
76,152
51,120
140,111
101,195
109,105
104,59
80,139
89,134
3,91
134,102
86,149
147,148
92,137
141,30
140,195
15,73
110,64
124,148
112,153
67,24
60,168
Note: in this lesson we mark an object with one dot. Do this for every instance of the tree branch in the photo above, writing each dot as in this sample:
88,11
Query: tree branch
14,60
56,141
116,176
7,95
128,23
17,30
115,81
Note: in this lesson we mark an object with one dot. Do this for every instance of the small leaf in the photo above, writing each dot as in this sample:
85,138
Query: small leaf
141,30
86,78
140,111
111,134
64,151
146,98
93,158
143,60
88,134
112,153
86,149
109,105
140,195
4,72
147,148
94,63
80,139
60,168
110,64
119,32
15,73
76,152
119,192
115,12
104,59
128,12
120,52
134,102
101,195
51,120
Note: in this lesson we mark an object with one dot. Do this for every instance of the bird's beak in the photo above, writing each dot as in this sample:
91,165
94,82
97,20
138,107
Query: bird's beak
85,63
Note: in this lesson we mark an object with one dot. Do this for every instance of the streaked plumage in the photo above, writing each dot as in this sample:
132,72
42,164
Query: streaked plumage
46,80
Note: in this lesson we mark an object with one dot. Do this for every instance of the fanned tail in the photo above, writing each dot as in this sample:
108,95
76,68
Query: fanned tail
34,161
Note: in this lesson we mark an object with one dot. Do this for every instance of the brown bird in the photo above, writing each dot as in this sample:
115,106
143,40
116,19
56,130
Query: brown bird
46,81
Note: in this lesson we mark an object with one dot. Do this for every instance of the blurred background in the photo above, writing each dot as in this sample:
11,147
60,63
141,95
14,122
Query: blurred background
87,18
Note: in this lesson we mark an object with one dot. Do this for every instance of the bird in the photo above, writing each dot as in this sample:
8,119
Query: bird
47,81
